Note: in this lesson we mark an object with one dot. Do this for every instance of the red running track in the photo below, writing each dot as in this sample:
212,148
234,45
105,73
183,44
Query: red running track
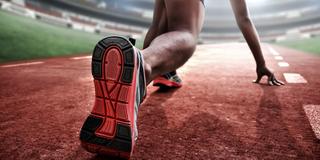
218,113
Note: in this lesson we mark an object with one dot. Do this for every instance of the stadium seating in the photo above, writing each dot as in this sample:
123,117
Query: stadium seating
273,20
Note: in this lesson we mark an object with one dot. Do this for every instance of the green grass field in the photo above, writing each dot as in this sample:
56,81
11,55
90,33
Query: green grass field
25,38
311,45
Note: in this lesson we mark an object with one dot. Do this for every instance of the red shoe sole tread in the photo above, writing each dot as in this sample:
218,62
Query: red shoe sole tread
109,128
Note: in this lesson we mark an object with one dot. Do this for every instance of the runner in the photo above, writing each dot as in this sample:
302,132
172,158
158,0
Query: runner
241,13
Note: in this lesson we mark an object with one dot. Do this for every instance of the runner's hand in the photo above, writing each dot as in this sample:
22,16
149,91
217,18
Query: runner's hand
264,71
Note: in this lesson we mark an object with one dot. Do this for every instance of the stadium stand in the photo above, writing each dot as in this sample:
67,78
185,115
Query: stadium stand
275,20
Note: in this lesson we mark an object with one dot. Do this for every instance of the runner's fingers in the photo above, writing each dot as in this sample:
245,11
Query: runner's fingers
258,79
273,79
270,82
278,81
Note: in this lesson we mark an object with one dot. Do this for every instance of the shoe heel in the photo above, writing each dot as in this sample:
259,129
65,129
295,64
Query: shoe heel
108,129
120,146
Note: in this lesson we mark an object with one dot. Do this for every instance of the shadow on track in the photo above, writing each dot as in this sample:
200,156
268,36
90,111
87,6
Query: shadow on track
273,135
208,136
202,134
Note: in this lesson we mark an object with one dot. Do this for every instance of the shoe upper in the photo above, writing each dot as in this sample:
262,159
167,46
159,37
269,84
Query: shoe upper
172,76
141,90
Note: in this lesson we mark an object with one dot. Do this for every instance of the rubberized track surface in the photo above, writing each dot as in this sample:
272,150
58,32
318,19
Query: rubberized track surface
218,113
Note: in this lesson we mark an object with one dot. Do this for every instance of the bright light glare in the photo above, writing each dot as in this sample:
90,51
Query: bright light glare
256,2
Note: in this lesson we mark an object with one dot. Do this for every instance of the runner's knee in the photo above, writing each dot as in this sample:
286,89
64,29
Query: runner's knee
187,44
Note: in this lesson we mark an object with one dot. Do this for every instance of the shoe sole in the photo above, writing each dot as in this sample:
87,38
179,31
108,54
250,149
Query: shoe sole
164,83
108,129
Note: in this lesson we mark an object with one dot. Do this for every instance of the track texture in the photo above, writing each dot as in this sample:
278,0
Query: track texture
218,113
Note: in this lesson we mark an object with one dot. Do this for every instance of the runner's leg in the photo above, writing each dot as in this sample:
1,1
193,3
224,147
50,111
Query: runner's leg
172,49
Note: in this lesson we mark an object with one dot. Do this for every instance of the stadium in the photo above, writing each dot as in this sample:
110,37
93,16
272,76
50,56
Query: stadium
46,84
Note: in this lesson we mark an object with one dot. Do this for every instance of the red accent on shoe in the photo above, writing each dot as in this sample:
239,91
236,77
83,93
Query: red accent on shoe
161,81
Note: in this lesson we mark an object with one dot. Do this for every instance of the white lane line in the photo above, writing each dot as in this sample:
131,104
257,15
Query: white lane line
283,64
21,64
82,57
273,51
313,114
294,78
278,57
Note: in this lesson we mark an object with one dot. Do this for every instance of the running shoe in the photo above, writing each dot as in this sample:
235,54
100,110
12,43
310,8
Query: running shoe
120,87
169,80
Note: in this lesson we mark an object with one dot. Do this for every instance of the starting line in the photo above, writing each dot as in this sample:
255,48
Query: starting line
21,64
313,114
273,51
294,78
283,64
278,58
82,57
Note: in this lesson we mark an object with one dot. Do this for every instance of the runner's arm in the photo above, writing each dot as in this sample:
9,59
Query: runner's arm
250,34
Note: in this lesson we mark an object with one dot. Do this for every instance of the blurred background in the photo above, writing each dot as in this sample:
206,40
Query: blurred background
44,28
